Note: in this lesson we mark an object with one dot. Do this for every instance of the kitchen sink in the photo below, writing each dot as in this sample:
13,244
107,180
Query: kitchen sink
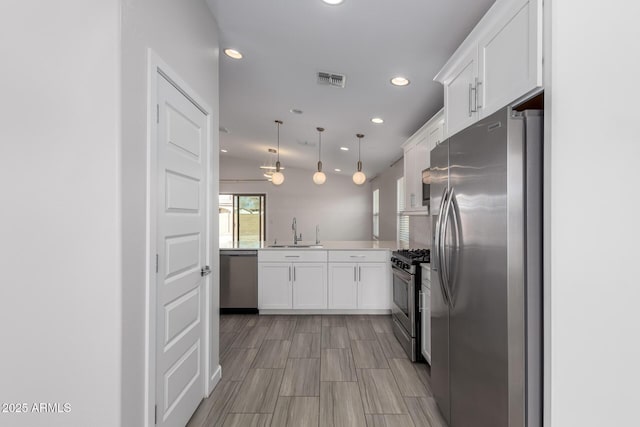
295,246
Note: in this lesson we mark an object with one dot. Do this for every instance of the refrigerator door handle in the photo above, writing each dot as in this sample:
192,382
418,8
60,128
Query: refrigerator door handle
436,239
438,248
444,264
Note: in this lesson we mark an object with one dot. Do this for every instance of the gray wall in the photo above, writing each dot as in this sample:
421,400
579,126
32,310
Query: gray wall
60,302
592,289
386,182
184,35
341,208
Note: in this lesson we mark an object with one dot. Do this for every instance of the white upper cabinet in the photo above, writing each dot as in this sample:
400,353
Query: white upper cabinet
510,57
417,157
499,63
436,133
459,94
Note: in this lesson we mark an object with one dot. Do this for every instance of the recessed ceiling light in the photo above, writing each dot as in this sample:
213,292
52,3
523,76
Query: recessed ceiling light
271,167
333,2
399,81
296,111
224,151
338,170
377,120
344,148
232,53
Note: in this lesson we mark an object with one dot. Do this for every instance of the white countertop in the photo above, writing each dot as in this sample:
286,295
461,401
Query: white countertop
327,245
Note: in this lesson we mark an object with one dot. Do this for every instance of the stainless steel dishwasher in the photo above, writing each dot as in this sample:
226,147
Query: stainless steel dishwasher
238,281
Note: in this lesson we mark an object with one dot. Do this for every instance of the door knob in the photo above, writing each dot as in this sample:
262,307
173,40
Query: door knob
205,271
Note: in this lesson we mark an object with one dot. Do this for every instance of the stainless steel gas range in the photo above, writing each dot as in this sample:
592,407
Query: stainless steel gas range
406,282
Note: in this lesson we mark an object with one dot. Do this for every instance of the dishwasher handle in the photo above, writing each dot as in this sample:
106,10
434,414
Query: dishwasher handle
239,253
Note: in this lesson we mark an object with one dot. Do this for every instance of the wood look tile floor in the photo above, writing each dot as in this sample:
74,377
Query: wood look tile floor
290,371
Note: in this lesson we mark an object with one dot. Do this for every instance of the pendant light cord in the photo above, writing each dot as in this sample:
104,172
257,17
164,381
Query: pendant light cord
359,136
278,123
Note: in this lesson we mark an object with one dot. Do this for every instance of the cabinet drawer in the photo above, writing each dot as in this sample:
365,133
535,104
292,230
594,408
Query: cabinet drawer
302,255
359,256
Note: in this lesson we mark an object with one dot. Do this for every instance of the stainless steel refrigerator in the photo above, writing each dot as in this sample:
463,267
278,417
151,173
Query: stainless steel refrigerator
486,199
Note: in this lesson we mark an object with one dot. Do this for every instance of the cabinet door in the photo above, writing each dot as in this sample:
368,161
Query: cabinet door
425,323
459,94
510,57
436,134
374,286
274,285
309,285
409,178
343,285
422,157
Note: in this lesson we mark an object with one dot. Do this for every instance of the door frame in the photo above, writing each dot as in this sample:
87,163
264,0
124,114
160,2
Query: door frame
156,66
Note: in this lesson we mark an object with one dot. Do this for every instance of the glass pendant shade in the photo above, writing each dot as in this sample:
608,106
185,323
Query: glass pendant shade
359,177
319,177
278,177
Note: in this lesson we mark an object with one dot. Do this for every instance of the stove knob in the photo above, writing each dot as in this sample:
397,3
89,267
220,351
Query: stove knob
405,265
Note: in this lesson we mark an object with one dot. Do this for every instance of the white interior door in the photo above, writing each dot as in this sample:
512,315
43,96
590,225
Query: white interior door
182,170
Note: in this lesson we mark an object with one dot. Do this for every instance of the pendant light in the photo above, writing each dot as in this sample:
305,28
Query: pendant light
319,177
278,178
359,177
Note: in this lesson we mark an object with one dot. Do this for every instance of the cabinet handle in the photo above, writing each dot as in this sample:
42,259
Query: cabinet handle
355,278
359,274
289,273
294,273
473,95
478,84
292,256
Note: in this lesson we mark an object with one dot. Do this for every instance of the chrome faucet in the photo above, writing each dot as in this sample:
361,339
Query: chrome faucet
317,234
294,227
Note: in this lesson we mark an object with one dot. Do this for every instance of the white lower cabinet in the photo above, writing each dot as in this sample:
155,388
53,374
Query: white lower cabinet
292,286
274,285
374,291
292,280
425,323
425,314
304,280
343,285
309,286
363,286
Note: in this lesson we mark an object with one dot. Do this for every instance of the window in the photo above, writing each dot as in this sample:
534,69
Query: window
403,220
376,214
242,220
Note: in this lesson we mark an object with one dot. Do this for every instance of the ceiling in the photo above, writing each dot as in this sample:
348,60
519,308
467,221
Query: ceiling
285,44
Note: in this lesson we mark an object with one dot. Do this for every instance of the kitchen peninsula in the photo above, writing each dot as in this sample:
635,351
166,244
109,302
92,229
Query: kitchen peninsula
334,277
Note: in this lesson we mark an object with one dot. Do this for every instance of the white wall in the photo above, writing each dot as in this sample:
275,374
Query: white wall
60,234
593,285
387,183
341,208
184,35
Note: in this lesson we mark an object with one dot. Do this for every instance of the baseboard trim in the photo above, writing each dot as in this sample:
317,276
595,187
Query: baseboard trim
215,379
233,310
325,311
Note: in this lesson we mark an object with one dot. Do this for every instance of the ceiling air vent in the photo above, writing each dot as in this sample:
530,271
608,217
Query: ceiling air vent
329,79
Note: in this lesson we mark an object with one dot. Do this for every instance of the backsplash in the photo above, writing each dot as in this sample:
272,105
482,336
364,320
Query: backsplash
420,231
